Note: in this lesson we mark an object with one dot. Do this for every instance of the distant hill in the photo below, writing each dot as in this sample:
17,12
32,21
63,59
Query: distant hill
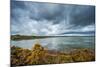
25,37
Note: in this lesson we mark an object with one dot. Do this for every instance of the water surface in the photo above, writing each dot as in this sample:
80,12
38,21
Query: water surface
59,43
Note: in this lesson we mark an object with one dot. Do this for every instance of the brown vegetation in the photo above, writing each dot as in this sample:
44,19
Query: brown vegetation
38,55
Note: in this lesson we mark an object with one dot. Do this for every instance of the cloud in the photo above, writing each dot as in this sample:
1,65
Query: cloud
83,15
34,18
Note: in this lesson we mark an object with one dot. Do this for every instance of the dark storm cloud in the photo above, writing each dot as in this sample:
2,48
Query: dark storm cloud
51,19
78,32
84,15
46,12
18,4
79,15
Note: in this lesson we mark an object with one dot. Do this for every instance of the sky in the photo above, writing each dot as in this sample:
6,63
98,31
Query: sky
47,19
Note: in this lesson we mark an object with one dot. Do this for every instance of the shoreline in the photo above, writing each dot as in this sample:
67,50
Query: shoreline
26,37
38,55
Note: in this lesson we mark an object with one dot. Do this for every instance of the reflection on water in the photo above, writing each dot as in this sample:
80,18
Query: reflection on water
59,43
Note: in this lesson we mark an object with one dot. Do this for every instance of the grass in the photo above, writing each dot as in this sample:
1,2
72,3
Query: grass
38,55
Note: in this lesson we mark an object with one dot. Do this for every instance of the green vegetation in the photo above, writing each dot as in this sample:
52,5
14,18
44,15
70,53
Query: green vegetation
27,37
21,37
39,55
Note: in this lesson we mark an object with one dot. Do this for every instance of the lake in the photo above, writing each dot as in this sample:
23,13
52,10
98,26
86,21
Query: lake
59,43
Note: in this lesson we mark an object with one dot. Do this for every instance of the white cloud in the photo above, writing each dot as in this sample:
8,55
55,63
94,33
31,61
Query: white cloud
88,28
